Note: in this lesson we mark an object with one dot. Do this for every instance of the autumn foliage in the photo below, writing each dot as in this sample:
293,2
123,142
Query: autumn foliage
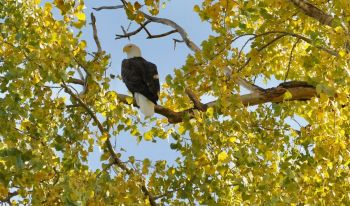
56,105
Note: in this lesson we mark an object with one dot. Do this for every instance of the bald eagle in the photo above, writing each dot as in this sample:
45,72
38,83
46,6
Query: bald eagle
141,78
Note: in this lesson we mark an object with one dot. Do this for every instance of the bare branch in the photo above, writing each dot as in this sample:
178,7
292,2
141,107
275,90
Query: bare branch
127,35
177,41
178,28
108,7
290,59
97,41
150,36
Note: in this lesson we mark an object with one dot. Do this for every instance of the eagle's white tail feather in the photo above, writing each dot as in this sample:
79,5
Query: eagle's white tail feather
146,106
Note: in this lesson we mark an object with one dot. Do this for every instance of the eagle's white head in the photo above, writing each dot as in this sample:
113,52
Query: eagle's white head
132,50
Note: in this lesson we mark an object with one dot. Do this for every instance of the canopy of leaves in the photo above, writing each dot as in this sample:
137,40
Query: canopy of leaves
231,154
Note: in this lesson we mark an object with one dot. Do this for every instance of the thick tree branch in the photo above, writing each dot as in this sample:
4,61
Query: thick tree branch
314,12
196,102
300,91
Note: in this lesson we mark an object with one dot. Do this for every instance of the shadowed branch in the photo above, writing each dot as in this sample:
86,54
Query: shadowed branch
314,12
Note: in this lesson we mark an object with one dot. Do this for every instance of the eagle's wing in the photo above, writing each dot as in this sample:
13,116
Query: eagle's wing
151,78
141,76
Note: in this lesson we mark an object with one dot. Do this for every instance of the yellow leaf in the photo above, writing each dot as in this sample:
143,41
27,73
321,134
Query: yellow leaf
342,53
25,124
36,78
287,95
268,155
139,18
129,100
196,8
137,5
104,137
210,112
232,139
105,156
222,156
182,129
48,7
80,16
82,44
78,24
148,136
338,29
148,2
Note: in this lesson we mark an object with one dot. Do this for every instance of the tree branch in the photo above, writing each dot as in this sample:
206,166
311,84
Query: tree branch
290,59
300,91
196,102
127,35
152,36
108,7
97,41
178,28
314,12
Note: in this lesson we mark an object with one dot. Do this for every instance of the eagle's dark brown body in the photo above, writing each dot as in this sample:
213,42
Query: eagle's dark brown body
141,76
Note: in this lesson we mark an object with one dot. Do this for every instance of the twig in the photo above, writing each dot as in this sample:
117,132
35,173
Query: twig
177,41
290,59
150,36
108,7
129,34
260,49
